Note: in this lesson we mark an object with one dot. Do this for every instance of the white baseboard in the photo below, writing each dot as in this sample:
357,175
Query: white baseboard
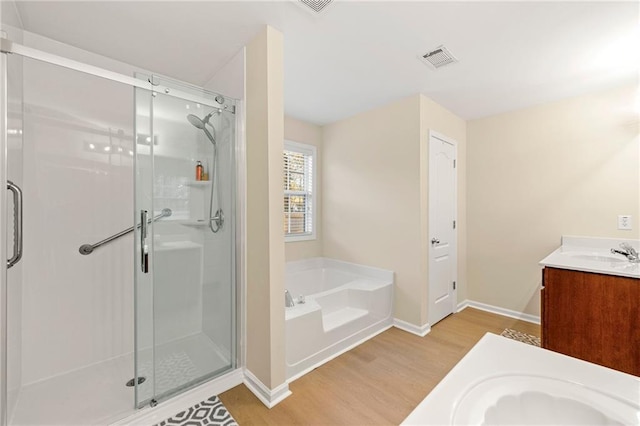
269,397
411,328
462,305
498,310
173,406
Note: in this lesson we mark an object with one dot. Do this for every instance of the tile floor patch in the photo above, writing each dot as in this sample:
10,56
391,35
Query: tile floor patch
210,413
521,337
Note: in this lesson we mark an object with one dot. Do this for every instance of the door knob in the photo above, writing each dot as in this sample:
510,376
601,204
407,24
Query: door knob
435,241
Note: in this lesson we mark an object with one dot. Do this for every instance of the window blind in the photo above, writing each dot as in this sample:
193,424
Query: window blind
298,189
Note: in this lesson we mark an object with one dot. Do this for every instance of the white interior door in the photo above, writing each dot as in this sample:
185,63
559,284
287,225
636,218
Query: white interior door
442,227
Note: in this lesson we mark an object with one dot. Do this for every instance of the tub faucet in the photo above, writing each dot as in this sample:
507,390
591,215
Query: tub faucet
628,251
288,300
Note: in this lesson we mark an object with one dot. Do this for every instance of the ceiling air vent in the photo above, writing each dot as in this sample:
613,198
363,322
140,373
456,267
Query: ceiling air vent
438,57
315,6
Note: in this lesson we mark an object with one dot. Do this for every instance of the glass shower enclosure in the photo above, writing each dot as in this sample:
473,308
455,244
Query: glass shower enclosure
184,199
125,293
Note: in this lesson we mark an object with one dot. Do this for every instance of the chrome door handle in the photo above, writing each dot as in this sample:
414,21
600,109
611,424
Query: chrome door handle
435,241
17,223
144,249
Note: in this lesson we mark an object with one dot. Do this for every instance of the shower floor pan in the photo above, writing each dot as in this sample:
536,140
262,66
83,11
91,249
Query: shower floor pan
98,394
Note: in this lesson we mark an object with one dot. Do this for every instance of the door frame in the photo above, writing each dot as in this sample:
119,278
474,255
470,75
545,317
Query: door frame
433,135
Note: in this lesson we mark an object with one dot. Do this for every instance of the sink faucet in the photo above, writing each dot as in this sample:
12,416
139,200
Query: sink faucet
628,251
288,300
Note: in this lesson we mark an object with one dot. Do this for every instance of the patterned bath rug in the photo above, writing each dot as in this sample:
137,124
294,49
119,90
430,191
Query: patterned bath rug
521,337
210,413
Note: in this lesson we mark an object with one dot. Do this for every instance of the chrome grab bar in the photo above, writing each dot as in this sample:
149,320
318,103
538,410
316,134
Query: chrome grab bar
86,249
17,224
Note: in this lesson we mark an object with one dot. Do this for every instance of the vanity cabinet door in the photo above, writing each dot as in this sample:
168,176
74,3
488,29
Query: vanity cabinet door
594,317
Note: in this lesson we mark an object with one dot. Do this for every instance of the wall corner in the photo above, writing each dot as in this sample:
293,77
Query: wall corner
264,238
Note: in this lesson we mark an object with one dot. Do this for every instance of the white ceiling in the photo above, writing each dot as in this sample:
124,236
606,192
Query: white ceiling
359,54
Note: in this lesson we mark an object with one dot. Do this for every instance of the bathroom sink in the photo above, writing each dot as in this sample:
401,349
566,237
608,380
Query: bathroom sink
593,256
598,258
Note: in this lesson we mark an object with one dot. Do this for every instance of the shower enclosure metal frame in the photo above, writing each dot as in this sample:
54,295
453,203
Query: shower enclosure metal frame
237,321
3,238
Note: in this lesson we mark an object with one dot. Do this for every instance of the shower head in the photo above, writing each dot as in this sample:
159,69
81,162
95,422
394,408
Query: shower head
197,121
200,124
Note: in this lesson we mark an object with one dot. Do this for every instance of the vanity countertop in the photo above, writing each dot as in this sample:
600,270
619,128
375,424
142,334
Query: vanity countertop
589,254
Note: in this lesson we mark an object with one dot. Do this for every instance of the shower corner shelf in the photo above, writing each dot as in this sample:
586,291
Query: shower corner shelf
198,183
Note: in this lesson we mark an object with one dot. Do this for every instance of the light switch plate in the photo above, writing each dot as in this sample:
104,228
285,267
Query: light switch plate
624,221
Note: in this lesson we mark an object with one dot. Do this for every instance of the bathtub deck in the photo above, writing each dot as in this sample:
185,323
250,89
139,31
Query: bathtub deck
501,381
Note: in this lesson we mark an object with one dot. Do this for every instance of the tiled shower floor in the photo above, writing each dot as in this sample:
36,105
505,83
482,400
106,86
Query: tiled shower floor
97,394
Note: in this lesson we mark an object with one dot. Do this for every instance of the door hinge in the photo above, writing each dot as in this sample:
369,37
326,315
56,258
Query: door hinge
454,164
454,285
454,224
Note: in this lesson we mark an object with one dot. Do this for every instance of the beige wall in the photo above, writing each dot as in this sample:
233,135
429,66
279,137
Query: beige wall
566,168
436,118
311,134
375,195
265,240
229,79
371,205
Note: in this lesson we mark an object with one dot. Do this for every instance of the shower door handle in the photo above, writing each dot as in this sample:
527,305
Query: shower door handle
144,249
17,224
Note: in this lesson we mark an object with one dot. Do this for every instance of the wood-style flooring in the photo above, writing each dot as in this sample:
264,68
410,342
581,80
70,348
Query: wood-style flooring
377,383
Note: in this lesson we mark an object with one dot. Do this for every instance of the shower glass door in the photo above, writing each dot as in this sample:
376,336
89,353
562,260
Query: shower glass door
69,341
185,273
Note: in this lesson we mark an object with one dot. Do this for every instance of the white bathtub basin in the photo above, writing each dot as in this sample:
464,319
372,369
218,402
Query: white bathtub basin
345,304
518,399
504,382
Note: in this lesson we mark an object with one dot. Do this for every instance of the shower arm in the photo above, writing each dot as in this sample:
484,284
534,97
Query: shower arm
86,249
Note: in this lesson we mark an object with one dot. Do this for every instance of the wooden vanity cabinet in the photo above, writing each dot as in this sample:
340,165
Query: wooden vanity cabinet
594,317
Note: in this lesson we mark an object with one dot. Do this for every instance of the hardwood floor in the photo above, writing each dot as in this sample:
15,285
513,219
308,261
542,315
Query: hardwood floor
377,383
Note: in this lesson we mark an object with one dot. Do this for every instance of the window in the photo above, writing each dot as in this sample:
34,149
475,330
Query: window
299,211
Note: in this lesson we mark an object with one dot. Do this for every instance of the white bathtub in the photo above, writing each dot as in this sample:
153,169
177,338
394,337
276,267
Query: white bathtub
504,382
345,304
